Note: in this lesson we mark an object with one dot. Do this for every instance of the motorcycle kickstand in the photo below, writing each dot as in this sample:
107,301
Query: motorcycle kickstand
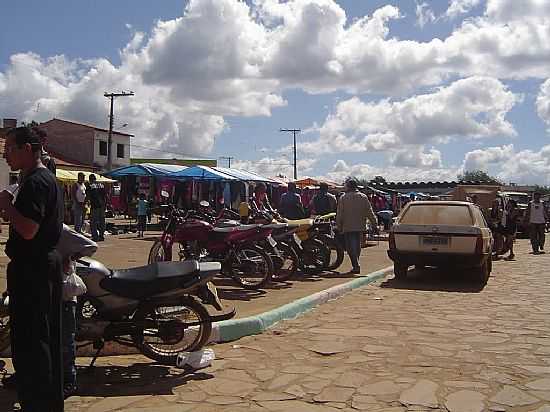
99,346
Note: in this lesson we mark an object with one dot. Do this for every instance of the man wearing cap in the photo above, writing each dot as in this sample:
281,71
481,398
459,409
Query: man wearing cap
536,218
353,211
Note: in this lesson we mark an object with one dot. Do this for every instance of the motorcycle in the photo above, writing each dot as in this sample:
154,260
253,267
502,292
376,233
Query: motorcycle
158,308
328,235
195,235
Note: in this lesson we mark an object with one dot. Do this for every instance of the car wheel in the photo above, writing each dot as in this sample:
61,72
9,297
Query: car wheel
484,271
400,270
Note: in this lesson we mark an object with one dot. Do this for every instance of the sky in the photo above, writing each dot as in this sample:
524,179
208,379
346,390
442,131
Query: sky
409,90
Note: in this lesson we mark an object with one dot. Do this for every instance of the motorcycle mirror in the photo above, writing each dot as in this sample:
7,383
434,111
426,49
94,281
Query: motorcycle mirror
164,193
204,203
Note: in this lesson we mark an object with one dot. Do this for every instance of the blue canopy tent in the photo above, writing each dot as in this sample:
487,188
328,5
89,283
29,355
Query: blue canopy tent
145,169
246,176
201,173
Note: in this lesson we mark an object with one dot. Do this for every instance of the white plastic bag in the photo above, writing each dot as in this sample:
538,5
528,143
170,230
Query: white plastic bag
196,360
73,286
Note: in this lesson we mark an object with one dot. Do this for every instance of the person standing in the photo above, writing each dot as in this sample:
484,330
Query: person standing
142,207
509,224
323,202
34,274
291,206
536,217
96,196
78,194
353,211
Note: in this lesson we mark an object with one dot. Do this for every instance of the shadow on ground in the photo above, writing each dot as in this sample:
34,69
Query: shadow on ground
436,279
135,379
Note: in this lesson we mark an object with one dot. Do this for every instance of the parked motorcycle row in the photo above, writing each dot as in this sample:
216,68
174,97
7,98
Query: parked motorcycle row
161,308
268,248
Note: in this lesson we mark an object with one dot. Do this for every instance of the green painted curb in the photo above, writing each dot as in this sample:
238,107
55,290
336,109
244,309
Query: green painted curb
234,329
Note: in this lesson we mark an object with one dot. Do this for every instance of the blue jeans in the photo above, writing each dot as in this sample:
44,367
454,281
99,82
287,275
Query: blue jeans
97,223
78,211
353,247
68,332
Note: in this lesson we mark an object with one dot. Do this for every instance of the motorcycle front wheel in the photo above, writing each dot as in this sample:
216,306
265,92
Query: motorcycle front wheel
169,330
158,254
250,266
288,263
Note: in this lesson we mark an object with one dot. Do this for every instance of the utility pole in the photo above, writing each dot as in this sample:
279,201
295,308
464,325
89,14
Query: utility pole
294,131
111,120
228,158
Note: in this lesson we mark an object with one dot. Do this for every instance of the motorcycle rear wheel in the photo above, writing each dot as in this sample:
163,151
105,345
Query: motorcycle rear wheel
336,252
187,339
250,266
315,257
5,341
289,263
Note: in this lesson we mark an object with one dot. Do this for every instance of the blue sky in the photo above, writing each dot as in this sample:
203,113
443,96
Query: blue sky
222,110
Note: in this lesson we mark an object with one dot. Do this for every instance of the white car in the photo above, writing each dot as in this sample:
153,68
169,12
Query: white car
442,234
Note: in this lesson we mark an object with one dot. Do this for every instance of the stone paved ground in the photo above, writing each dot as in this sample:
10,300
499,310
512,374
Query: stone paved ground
434,342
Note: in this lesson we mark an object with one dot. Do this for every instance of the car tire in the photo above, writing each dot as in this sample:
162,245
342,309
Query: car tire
484,271
400,270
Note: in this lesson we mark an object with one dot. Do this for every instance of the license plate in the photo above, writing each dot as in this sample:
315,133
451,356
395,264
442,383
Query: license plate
272,241
212,289
435,240
297,239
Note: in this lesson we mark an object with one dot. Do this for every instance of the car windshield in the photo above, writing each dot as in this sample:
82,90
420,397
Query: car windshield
452,215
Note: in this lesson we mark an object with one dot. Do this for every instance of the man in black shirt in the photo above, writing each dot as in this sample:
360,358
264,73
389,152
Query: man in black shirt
96,195
34,274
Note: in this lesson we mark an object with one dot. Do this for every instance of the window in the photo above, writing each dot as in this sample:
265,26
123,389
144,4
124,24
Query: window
102,148
437,214
120,151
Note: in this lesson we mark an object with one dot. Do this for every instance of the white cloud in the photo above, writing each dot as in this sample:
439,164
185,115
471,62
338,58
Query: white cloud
543,102
274,166
525,166
481,159
509,10
459,7
341,170
226,58
474,107
415,156
424,14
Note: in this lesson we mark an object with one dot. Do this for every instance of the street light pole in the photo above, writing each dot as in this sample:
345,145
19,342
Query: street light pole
111,121
294,131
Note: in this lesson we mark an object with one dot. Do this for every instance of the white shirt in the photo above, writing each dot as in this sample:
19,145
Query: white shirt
80,192
537,213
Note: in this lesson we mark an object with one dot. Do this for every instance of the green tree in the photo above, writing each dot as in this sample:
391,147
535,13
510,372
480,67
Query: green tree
478,176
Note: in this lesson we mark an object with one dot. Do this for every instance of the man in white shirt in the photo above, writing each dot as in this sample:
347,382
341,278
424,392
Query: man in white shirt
79,197
536,217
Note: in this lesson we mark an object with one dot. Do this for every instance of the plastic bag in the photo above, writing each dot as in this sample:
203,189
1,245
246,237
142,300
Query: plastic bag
196,360
73,286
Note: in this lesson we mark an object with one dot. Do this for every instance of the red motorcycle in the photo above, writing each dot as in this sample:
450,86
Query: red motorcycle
192,235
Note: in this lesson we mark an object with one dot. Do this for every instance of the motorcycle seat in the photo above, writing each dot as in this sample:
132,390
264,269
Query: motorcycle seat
157,270
300,222
276,226
158,278
235,228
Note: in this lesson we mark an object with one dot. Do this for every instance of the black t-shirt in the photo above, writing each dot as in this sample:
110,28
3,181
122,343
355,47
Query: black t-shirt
96,194
40,199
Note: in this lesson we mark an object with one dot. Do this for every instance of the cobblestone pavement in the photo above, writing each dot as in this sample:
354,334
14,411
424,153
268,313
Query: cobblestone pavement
433,342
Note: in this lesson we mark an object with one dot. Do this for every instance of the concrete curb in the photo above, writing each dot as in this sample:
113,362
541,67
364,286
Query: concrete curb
234,329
